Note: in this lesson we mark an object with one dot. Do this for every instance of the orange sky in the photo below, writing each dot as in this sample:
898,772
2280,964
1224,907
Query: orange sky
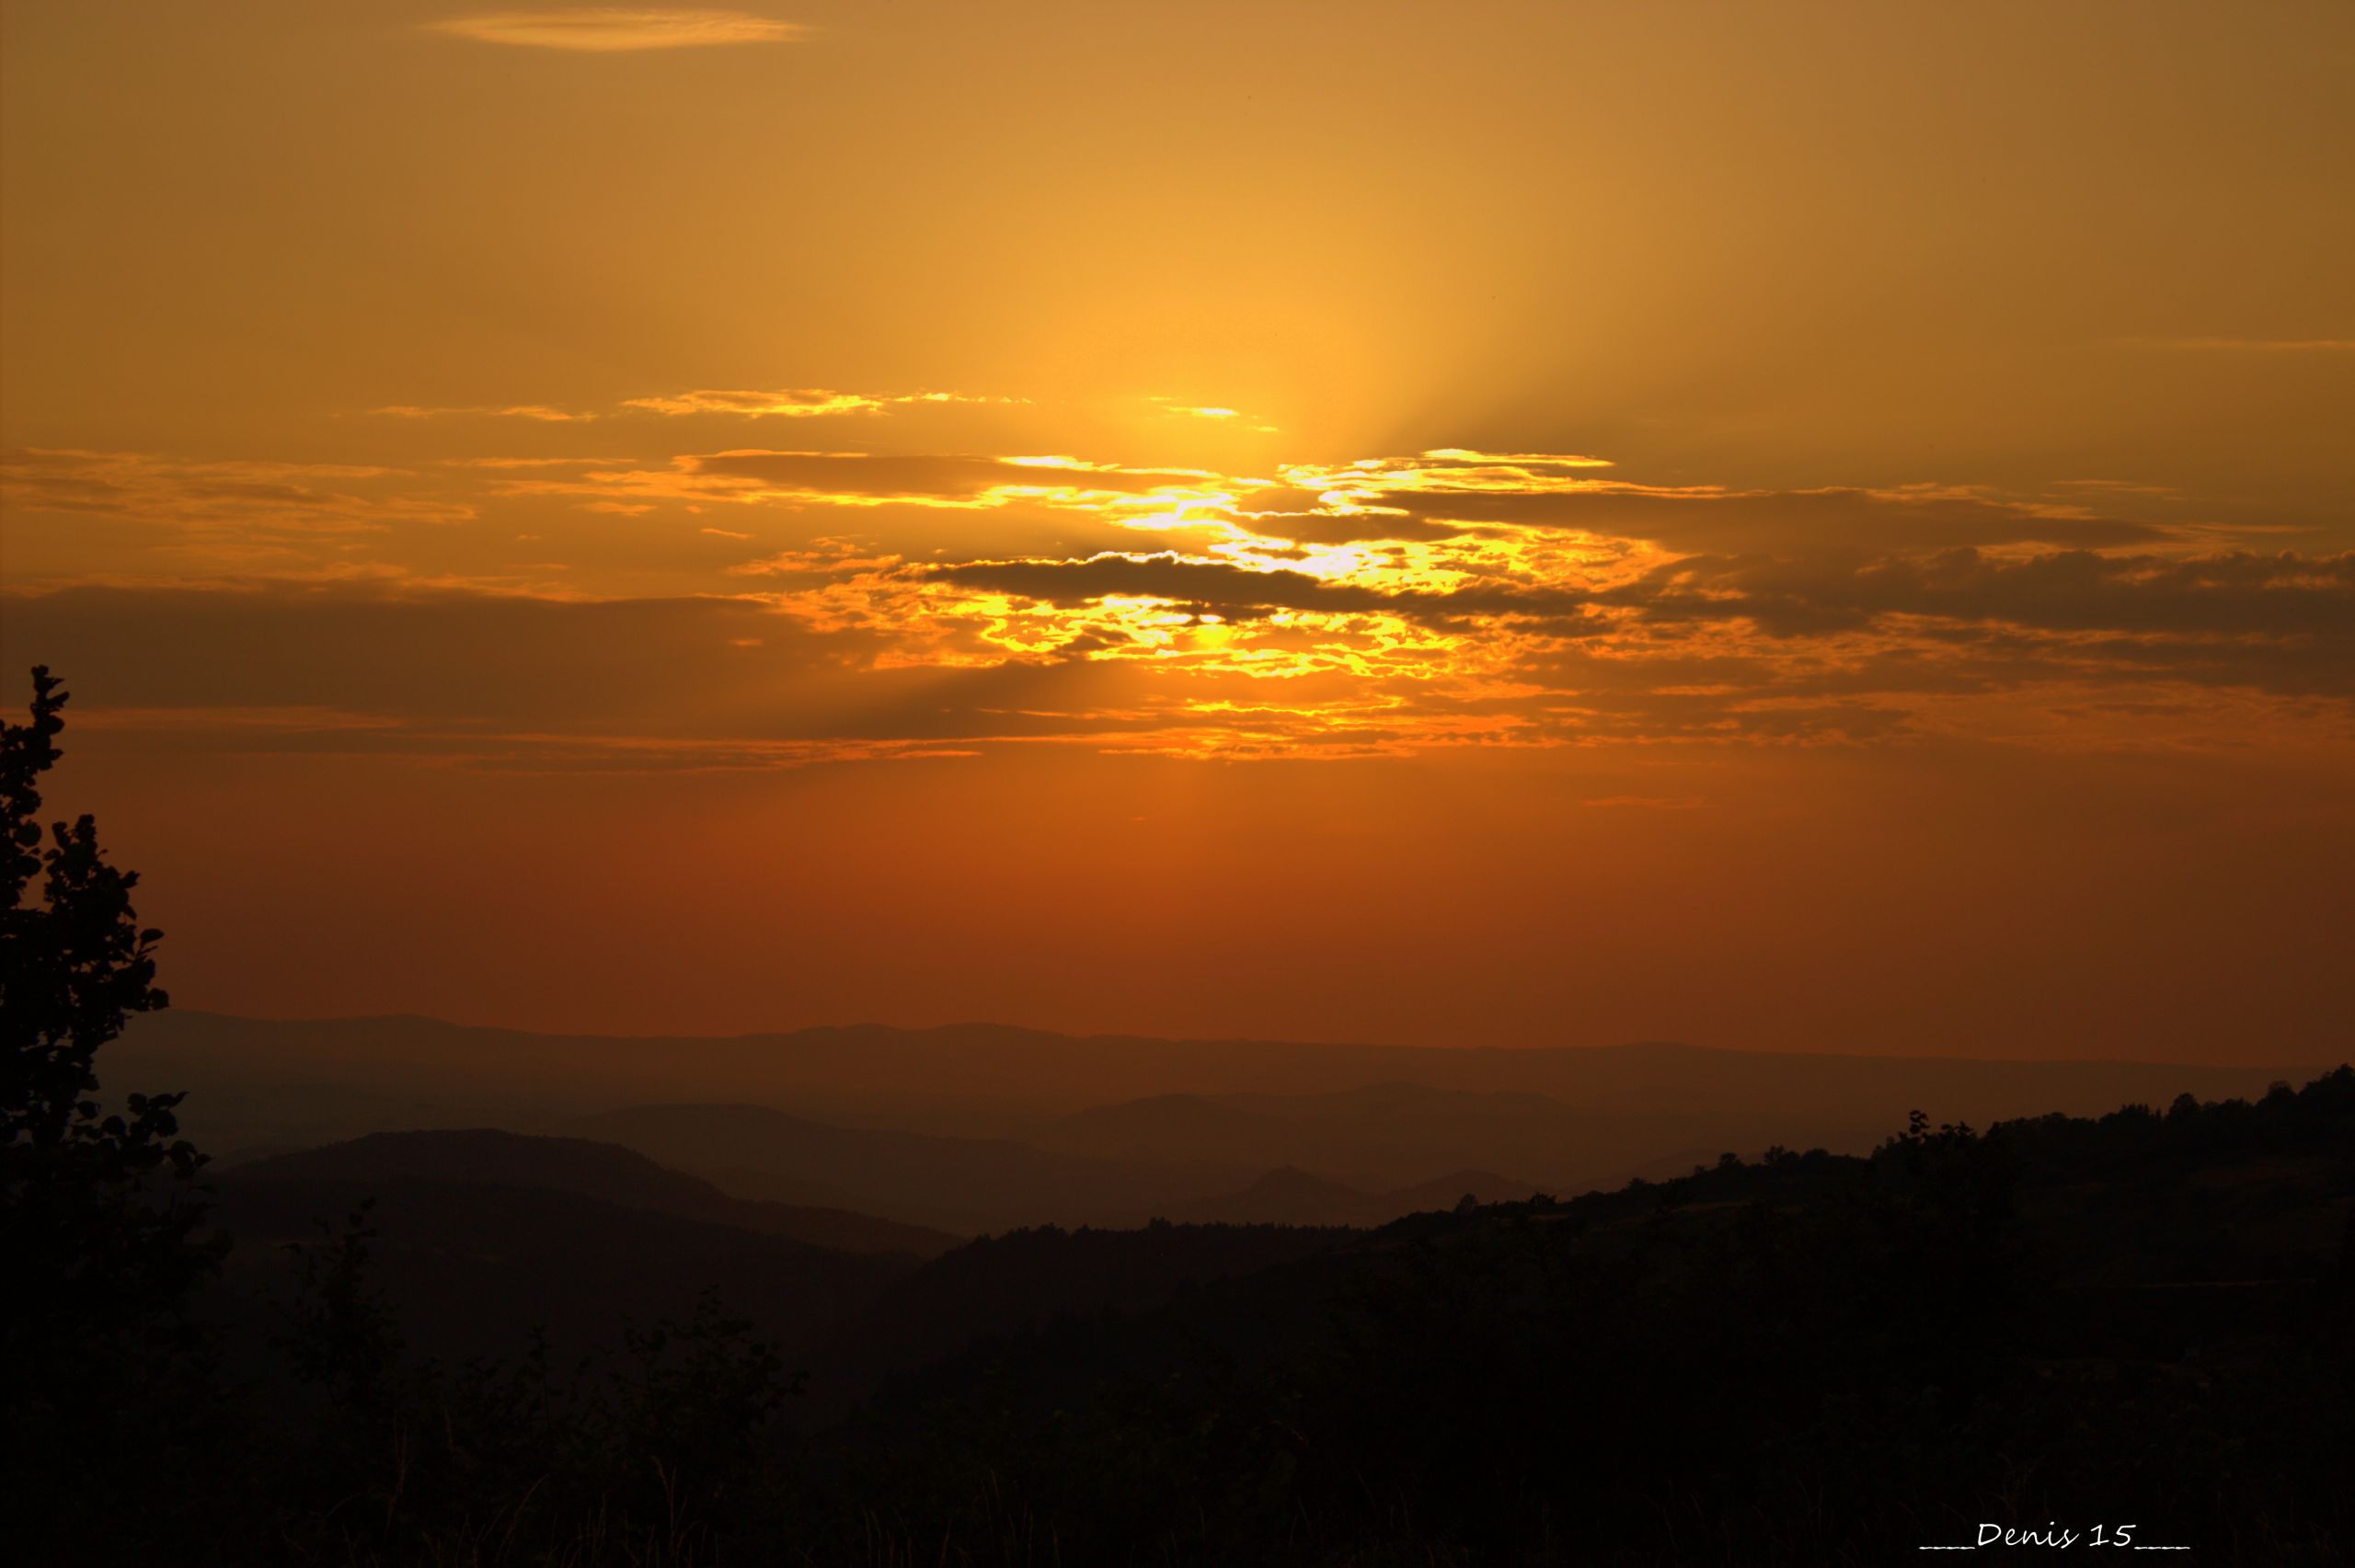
1777,525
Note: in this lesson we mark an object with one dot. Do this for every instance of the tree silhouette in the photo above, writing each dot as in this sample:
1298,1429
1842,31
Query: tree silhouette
99,1213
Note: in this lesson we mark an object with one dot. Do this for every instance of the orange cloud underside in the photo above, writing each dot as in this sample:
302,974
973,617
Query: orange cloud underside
1448,599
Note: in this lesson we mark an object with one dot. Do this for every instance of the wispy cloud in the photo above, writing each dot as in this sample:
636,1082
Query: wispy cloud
503,463
2248,345
796,402
263,514
536,411
1211,411
786,403
613,29
2122,486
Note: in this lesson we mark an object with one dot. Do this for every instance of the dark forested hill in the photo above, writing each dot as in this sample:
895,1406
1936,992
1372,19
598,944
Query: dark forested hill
471,1267
604,1170
1290,1196
2145,1320
1030,1280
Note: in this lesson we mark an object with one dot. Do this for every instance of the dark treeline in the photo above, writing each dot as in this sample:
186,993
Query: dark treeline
1804,1358
1807,1358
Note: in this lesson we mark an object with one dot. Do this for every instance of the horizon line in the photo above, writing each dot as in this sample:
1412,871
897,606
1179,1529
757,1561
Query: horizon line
2319,1064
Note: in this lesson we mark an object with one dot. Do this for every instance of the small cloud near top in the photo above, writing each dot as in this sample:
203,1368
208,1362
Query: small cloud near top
611,29
1205,411
2248,345
795,403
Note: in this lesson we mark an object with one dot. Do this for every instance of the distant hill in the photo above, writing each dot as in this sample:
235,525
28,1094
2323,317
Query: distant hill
980,1127
972,1075
959,1182
1375,1137
602,1170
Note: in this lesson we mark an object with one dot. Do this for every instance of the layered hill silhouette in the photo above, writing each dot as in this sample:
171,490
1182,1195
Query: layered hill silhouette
980,1127
1384,1134
966,1183
2152,1307
992,1080
606,1172
482,1238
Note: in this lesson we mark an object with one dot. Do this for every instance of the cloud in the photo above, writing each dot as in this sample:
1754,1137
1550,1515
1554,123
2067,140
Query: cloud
1211,411
2247,345
522,681
1240,591
944,477
1202,585
1703,518
797,403
515,681
534,411
1453,598
1342,527
2120,486
810,402
2235,594
607,29
754,476
506,462
241,506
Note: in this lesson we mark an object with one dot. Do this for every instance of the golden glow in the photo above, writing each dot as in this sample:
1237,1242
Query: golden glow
1448,598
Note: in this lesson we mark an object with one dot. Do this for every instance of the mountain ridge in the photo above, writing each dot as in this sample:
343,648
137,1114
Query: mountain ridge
989,1026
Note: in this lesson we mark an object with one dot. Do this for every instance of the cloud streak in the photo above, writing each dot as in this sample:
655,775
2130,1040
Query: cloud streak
2248,345
606,29
797,403
248,509
538,412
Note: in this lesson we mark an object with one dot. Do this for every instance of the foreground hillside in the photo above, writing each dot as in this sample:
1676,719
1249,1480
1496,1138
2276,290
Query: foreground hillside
2146,1319
477,1243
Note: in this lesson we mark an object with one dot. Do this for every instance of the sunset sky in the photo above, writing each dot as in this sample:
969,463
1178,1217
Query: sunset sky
1782,525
